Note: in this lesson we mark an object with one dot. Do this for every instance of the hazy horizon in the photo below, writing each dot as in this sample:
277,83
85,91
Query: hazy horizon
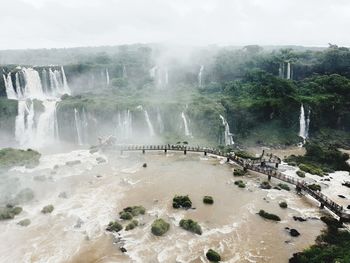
30,24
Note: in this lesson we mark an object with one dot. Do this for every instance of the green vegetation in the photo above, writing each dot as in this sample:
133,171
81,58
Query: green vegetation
15,157
213,256
134,223
47,209
284,186
283,204
114,226
321,157
9,212
246,155
190,225
24,222
239,172
208,200
159,227
182,201
129,212
332,246
314,187
269,216
125,215
240,184
301,174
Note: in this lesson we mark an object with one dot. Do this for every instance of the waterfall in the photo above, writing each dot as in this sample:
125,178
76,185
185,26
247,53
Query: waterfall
10,92
47,128
228,138
153,72
187,130
200,75
78,126
166,77
107,78
304,123
124,125
33,128
149,123
160,121
124,72
288,70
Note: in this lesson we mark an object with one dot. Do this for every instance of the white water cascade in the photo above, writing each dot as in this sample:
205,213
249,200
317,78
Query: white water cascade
200,76
228,138
185,123
125,75
78,126
288,70
33,128
166,77
149,123
304,123
124,125
160,121
107,77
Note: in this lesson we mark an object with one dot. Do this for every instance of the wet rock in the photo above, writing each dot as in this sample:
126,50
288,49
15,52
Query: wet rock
294,233
348,207
56,167
101,160
123,249
283,205
191,226
72,163
265,185
208,200
47,209
98,176
63,195
298,218
182,201
144,165
24,222
347,184
93,150
213,256
342,196
79,223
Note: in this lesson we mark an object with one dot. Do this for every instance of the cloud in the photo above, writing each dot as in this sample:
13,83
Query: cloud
67,23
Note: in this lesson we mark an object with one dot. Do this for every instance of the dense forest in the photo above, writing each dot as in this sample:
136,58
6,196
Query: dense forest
259,90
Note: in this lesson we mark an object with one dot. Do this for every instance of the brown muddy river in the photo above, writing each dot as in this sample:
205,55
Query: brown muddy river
75,230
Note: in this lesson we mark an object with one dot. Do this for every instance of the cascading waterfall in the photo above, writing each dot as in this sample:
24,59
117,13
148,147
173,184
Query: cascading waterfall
125,75
31,128
107,77
228,138
149,123
304,123
160,121
153,72
185,123
288,70
78,127
11,94
124,125
200,76
166,77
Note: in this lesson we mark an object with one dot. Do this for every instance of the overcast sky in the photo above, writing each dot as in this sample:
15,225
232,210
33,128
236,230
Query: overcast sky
69,23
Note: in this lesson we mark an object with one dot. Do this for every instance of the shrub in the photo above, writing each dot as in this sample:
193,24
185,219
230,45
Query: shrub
134,210
159,227
15,157
239,172
269,216
24,222
310,168
182,201
9,212
284,186
47,209
314,187
213,256
208,200
190,225
301,174
114,227
240,183
125,215
132,225
283,205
